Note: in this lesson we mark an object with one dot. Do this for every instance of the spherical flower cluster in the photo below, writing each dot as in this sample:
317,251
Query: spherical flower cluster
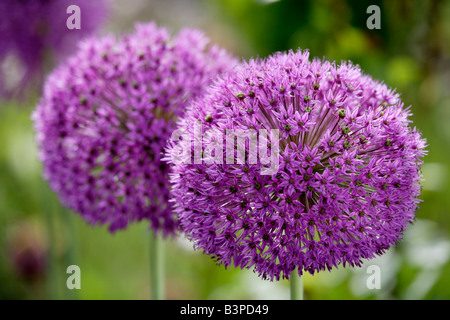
106,114
348,168
34,32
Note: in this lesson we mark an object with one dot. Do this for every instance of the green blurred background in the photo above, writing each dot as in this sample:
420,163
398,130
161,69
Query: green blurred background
411,52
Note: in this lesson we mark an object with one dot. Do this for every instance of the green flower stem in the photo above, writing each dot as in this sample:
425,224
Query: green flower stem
49,209
52,281
296,286
157,266
70,252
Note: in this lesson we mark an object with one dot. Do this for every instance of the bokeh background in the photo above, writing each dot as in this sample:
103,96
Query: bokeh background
411,52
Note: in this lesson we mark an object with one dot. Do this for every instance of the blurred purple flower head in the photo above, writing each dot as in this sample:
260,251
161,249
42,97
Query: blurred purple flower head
348,176
106,115
27,250
34,33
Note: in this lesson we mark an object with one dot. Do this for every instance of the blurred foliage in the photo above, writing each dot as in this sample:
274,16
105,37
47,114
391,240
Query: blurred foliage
410,53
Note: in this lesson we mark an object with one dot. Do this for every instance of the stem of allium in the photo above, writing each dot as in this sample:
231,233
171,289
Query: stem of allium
70,253
156,266
296,286
48,206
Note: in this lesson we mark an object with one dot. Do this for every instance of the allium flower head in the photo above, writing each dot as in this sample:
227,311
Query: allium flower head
34,32
348,168
106,114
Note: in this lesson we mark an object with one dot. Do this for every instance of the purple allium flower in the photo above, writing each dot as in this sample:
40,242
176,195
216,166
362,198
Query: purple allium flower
348,176
34,31
106,115
27,251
